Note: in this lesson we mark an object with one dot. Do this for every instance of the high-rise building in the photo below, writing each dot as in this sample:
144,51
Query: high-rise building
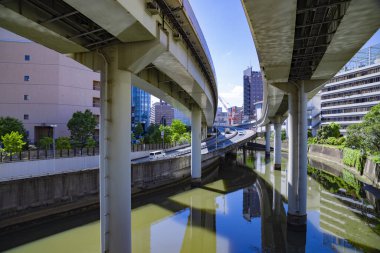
221,118
182,117
140,107
351,93
251,203
253,91
43,88
162,113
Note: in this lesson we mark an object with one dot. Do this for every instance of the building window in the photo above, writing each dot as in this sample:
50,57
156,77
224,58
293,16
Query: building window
96,102
27,57
26,78
26,97
26,116
96,85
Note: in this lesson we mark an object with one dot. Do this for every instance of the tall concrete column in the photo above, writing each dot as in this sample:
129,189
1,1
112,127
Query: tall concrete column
196,163
297,172
277,145
267,140
115,158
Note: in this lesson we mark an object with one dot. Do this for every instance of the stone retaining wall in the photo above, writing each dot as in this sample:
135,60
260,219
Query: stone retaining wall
26,197
371,169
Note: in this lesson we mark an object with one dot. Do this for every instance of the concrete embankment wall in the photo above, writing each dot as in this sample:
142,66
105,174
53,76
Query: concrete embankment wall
371,170
26,199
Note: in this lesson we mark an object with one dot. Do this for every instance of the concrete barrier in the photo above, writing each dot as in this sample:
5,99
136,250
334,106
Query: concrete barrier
372,172
38,168
333,153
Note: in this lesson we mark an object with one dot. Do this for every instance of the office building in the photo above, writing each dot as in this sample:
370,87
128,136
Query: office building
182,117
43,88
348,96
162,113
253,91
140,107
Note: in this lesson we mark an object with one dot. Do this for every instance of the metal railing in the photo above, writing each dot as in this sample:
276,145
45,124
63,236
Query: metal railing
43,154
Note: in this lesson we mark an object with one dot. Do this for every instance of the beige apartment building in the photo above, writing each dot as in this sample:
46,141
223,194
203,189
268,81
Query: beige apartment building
43,88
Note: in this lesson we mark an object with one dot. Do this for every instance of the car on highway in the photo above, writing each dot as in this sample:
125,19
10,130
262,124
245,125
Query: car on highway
157,154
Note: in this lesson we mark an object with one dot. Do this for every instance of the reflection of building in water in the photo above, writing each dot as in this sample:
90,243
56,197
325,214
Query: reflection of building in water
251,203
344,217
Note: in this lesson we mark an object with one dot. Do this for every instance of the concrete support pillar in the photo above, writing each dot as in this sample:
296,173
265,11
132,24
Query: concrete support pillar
297,173
267,140
277,145
196,163
115,157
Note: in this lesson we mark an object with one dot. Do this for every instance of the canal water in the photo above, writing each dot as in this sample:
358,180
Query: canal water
242,209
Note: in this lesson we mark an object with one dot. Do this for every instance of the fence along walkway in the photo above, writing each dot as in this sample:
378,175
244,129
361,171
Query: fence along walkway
43,154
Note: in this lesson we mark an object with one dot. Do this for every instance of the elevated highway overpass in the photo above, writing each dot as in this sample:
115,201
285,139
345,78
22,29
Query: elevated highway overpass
156,45
301,45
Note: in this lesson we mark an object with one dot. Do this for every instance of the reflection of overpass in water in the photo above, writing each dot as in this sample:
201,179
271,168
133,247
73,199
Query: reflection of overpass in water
301,45
156,45
198,207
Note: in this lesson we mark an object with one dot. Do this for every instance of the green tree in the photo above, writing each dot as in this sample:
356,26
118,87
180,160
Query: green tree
185,138
355,136
167,133
13,142
8,125
139,130
326,131
371,130
178,127
153,134
82,126
45,142
62,143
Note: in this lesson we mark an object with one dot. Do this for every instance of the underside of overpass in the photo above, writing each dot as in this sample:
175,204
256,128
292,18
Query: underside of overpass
301,45
156,45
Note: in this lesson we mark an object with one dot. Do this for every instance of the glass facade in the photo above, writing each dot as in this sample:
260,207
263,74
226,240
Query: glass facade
140,107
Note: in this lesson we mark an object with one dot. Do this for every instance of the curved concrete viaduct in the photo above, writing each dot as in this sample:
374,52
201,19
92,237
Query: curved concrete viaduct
301,45
156,45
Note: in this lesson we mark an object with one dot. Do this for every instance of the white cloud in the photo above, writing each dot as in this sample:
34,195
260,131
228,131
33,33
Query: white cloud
233,96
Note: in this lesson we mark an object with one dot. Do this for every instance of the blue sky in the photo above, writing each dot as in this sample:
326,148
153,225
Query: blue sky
230,42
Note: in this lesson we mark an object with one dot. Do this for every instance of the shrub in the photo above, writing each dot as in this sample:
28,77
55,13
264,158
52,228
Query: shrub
326,131
45,142
62,143
312,140
341,141
331,141
283,135
354,158
90,142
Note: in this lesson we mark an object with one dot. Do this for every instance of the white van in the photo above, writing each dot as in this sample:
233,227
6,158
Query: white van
156,154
